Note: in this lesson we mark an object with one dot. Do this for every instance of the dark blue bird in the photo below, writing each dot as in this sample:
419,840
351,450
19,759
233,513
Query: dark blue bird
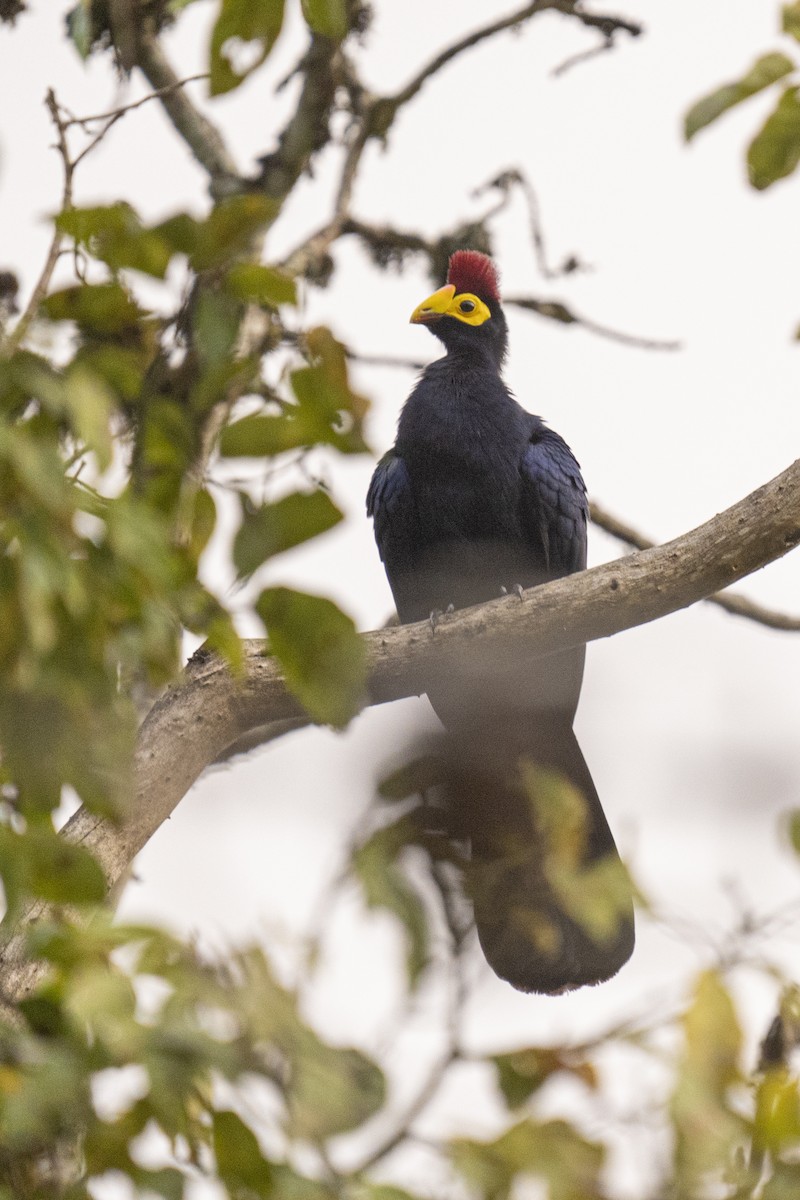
476,496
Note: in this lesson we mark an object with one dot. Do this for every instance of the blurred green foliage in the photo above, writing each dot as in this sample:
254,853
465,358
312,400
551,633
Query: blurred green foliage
774,151
105,513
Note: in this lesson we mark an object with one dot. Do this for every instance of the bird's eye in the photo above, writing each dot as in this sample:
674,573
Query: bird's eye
467,305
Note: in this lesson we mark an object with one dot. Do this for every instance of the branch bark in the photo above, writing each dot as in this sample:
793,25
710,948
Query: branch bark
210,710
201,136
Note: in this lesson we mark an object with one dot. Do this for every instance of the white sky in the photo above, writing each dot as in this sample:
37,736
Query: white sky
690,726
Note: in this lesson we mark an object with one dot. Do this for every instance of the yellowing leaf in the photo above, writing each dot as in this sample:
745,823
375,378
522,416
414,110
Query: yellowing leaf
376,867
706,1126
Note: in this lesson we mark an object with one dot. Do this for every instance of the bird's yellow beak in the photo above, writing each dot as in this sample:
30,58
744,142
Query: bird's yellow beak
434,307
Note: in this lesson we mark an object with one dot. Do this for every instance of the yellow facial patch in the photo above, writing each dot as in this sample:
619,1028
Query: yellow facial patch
445,303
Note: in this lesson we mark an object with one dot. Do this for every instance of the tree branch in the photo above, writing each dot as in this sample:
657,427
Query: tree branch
17,336
607,25
201,136
308,130
210,709
554,310
740,606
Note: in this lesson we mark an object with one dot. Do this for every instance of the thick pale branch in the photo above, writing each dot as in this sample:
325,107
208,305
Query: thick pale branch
193,724
210,710
739,606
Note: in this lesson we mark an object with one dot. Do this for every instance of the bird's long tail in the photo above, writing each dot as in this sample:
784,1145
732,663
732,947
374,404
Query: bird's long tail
552,900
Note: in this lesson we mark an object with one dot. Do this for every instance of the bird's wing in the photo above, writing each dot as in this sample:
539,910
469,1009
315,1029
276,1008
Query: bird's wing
390,503
553,507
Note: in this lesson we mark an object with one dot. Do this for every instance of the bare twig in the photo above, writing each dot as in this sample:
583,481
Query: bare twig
116,114
607,25
315,248
554,310
385,360
20,330
505,182
576,60
413,1110
740,606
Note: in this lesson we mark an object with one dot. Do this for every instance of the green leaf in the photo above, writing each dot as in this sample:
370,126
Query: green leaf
523,1072
216,319
81,27
273,528
333,1090
379,1191
115,235
288,1185
793,822
266,285
706,1126
777,1119
61,872
227,232
240,1162
327,411
221,637
766,71
91,408
791,20
320,651
204,522
783,1184
327,17
552,1151
104,308
324,390
249,21
775,151
375,865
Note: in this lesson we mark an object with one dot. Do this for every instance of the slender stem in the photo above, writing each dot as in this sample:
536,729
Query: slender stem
17,336
554,310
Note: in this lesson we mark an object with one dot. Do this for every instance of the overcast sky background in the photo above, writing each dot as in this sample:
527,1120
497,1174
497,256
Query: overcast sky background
690,725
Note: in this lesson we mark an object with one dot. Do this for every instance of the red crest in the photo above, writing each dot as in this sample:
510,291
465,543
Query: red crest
471,271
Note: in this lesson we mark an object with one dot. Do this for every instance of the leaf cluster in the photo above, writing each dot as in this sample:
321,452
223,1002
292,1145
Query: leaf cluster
774,151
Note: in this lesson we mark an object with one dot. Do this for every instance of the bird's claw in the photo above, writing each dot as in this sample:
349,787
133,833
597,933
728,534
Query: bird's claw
516,588
437,615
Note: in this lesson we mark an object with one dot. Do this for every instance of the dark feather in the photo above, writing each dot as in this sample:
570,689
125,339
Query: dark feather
478,495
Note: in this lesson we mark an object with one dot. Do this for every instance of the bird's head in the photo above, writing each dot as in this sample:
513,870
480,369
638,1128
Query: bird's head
466,312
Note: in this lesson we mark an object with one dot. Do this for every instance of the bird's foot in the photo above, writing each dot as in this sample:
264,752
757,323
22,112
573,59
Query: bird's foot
437,616
516,588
